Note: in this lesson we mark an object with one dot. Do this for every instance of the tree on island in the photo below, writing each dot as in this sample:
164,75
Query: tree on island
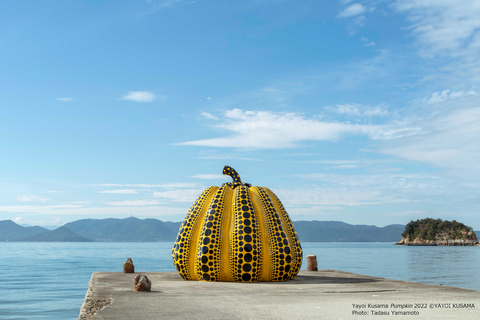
427,231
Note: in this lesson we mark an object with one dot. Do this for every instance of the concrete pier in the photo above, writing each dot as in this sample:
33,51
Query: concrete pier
324,294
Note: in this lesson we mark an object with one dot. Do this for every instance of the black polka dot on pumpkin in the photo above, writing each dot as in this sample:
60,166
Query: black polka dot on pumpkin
248,257
246,277
204,249
247,267
204,259
205,268
248,247
206,276
206,241
248,238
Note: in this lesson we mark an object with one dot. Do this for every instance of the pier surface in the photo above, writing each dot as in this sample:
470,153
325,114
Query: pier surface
323,294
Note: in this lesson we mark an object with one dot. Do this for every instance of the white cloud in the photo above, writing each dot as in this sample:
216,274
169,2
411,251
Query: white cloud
272,130
350,109
122,191
19,220
277,130
355,109
352,10
164,185
39,209
329,189
367,43
449,140
209,116
212,154
185,195
209,176
377,110
142,96
32,199
52,191
110,211
447,94
315,210
134,203
443,27
64,99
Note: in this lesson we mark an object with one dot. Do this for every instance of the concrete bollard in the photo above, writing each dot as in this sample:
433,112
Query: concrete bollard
312,263
142,283
128,266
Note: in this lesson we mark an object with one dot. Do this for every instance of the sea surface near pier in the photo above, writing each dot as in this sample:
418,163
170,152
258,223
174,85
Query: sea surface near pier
49,280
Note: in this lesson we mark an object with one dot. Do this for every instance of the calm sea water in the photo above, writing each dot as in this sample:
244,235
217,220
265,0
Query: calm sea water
49,280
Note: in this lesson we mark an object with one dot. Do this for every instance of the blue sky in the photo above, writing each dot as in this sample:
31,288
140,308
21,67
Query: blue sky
366,112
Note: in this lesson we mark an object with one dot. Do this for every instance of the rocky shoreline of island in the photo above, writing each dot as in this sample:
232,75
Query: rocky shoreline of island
447,242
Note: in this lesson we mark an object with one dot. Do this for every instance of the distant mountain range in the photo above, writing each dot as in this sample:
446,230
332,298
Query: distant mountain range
134,229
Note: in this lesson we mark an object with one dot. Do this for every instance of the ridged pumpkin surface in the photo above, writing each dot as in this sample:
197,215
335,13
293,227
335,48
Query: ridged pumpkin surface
237,232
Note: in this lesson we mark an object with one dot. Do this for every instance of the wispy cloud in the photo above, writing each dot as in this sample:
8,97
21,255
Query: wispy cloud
64,99
367,43
121,191
39,209
164,185
134,203
142,96
354,109
270,130
449,140
445,95
159,5
352,10
32,199
19,220
212,154
209,116
185,195
208,176
108,211
443,27
275,130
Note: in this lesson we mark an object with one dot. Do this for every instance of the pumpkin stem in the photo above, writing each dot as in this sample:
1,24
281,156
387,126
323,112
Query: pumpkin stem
229,171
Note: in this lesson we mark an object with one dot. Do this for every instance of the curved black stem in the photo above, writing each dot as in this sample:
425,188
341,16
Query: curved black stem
229,171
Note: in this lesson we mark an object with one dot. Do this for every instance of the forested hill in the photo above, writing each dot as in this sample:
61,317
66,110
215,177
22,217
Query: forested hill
437,232
336,231
134,229
129,229
9,230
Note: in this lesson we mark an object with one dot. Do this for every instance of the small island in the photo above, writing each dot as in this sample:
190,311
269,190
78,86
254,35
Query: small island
436,232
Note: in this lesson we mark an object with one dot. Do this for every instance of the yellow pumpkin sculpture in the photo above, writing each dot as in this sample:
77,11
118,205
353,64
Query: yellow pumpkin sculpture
237,232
